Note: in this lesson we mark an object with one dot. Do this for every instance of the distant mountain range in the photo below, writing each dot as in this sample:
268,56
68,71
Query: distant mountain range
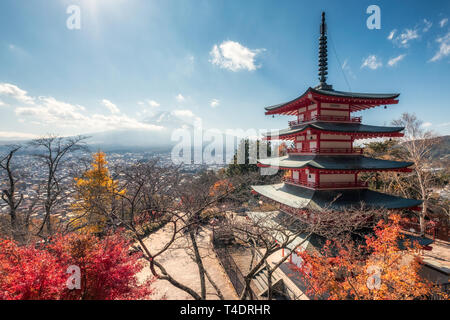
441,150
140,140
160,140
143,139
136,139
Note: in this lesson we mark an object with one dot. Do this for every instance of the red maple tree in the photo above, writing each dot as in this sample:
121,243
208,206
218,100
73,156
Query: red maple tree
108,270
27,273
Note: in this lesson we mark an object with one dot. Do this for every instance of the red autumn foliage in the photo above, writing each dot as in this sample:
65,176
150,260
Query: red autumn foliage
108,269
27,273
378,269
282,149
221,188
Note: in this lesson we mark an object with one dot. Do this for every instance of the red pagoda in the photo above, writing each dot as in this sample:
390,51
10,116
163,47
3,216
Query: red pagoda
323,165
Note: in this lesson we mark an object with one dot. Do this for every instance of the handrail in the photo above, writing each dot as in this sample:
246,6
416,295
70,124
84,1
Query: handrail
326,118
325,185
327,150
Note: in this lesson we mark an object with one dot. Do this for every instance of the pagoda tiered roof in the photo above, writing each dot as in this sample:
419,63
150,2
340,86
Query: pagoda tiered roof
323,164
358,101
350,162
356,129
297,197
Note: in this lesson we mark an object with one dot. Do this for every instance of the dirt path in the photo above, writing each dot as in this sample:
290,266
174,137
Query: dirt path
179,264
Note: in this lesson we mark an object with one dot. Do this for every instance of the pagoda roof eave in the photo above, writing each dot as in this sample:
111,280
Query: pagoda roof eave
329,127
297,197
322,162
361,100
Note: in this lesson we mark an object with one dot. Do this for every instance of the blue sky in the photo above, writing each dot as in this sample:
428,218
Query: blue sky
219,60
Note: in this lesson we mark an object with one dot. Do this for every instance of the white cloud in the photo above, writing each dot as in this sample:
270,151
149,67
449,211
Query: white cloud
214,103
372,62
186,113
346,67
18,51
403,39
427,26
2,104
407,36
153,103
118,122
148,109
15,92
426,124
111,106
392,62
391,34
180,98
12,135
50,110
187,116
443,22
233,56
444,48
47,111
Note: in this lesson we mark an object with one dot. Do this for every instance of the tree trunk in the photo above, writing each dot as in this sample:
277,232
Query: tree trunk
422,218
14,227
218,291
199,262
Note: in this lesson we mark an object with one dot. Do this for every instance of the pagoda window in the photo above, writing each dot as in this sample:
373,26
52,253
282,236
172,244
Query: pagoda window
335,106
312,107
300,138
333,109
336,144
301,117
341,113
325,136
324,178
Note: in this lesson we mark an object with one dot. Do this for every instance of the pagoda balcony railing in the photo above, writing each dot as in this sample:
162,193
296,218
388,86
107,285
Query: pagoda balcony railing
326,185
327,150
326,118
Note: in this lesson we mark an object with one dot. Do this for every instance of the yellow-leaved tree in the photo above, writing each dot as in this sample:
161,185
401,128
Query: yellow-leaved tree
96,194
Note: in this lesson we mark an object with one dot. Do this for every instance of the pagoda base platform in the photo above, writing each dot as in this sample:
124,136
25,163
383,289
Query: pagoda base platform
298,197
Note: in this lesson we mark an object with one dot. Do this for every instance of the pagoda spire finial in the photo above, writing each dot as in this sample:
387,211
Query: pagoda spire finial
323,56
